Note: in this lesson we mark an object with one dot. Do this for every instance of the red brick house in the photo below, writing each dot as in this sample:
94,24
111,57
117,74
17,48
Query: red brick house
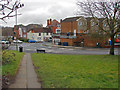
20,31
56,29
77,31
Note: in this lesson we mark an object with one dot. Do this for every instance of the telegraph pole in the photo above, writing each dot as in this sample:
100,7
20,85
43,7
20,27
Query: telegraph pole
16,26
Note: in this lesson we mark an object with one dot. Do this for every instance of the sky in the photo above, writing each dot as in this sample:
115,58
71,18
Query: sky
38,11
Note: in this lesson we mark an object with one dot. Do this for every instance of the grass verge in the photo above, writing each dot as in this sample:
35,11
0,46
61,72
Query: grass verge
11,69
76,71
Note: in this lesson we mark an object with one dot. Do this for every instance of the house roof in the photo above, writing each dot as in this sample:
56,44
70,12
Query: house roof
70,19
76,18
41,30
54,22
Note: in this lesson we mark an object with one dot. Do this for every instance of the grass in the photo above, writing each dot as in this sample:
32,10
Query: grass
11,69
76,71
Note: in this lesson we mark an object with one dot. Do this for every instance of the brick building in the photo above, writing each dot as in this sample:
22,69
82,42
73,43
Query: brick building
78,31
20,31
55,26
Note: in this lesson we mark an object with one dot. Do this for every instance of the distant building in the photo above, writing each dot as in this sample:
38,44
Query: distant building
20,31
56,29
39,34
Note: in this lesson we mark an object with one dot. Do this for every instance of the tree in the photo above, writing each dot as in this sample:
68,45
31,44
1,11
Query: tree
7,7
105,9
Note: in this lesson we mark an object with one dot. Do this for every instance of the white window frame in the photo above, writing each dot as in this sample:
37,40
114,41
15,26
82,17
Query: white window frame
80,23
75,32
24,31
24,35
58,30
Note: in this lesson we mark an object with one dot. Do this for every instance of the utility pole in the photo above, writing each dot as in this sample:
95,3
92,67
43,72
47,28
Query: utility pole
18,28
119,9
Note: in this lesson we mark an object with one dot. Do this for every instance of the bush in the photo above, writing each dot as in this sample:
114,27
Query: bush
7,57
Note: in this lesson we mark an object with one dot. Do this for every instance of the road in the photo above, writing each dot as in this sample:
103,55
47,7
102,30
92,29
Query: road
49,48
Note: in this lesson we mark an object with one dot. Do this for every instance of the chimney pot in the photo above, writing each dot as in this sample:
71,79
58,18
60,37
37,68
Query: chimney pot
60,20
48,23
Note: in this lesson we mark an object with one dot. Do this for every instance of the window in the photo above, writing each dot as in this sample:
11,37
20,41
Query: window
58,25
39,38
78,31
24,35
24,31
74,32
80,23
58,30
67,33
87,31
105,24
39,34
93,23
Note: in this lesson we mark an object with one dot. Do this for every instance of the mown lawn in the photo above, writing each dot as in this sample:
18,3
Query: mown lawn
11,68
76,71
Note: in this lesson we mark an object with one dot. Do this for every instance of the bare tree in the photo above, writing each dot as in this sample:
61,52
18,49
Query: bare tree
105,9
7,7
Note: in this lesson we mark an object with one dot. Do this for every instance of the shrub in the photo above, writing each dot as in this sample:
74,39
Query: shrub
7,57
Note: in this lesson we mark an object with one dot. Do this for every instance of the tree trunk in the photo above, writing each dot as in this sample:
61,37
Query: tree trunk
112,45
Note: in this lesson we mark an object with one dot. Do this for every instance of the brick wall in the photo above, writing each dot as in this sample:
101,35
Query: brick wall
70,41
69,27
91,42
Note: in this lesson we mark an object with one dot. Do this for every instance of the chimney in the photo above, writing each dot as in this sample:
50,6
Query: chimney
48,22
60,20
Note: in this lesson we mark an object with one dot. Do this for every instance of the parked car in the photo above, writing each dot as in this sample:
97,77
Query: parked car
32,41
4,42
17,41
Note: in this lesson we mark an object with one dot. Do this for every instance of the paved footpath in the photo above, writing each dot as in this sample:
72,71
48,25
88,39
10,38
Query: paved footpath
26,77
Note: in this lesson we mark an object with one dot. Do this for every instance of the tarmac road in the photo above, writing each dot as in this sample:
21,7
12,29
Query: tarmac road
49,48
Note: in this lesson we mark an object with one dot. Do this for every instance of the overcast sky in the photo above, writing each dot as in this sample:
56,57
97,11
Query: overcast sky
38,11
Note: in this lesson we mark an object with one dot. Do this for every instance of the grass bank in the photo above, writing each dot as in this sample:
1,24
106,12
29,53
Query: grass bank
76,71
11,68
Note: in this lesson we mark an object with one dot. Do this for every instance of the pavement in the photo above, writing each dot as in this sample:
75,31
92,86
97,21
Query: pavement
26,77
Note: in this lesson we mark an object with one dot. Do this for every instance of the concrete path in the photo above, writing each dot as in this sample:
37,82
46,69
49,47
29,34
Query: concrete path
26,77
